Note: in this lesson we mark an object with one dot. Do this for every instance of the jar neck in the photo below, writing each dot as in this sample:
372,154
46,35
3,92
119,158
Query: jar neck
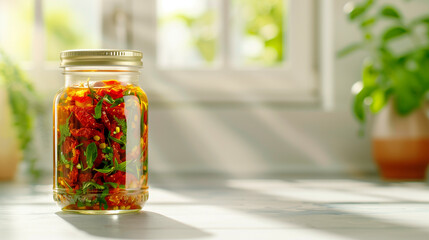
77,75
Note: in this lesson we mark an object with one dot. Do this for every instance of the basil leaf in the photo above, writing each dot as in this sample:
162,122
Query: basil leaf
102,198
91,154
80,204
122,166
122,124
92,94
64,130
97,110
108,153
112,184
68,185
63,159
105,170
109,99
120,141
89,184
117,102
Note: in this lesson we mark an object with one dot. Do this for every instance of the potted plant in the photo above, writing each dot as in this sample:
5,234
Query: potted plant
19,105
395,82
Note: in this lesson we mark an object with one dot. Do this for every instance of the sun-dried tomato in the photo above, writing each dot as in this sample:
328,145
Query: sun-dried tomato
106,121
85,176
118,177
88,133
86,118
117,111
72,177
116,152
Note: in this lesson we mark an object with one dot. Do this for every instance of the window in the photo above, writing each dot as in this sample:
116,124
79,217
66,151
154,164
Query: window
194,50
227,50
41,29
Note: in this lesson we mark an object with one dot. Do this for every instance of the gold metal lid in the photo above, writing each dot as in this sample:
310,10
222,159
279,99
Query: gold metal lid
101,57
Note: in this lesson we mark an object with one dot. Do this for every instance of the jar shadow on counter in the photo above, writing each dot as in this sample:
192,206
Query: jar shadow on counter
141,225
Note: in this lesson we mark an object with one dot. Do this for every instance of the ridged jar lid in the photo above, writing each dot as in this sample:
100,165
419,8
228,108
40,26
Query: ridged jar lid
101,57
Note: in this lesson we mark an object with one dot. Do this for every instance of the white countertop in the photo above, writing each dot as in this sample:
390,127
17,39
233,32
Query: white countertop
217,208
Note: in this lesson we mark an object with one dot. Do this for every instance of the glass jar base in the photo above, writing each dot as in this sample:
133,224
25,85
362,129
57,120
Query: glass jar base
101,212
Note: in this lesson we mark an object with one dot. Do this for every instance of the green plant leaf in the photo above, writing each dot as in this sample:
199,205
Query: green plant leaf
360,9
122,166
368,22
359,103
120,141
108,99
378,100
390,12
106,170
91,155
117,102
97,109
64,130
90,184
369,74
349,49
394,32
122,123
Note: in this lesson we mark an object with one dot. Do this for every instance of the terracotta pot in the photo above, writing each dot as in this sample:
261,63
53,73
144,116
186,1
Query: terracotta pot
10,155
401,144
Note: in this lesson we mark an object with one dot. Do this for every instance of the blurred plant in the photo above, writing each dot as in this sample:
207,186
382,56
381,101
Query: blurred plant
201,28
61,33
264,23
25,105
398,62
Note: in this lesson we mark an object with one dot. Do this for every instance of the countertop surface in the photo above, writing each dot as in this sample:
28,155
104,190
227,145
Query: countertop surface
222,208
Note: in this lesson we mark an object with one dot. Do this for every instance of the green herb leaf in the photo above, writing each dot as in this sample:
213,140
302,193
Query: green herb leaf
80,144
108,99
359,103
369,74
360,9
90,184
64,130
117,102
378,100
122,166
91,155
80,204
112,184
394,32
390,12
122,124
108,153
68,185
120,141
92,94
368,22
97,109
106,170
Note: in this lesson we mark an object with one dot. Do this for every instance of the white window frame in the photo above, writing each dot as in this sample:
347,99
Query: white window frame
297,81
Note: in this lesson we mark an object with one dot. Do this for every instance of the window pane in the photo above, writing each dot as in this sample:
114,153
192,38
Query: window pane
71,24
188,33
16,28
258,32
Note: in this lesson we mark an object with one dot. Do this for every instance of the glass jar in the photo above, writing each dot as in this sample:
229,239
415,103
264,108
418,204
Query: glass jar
101,133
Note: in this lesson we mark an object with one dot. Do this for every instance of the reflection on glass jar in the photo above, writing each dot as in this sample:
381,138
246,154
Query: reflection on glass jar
101,133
